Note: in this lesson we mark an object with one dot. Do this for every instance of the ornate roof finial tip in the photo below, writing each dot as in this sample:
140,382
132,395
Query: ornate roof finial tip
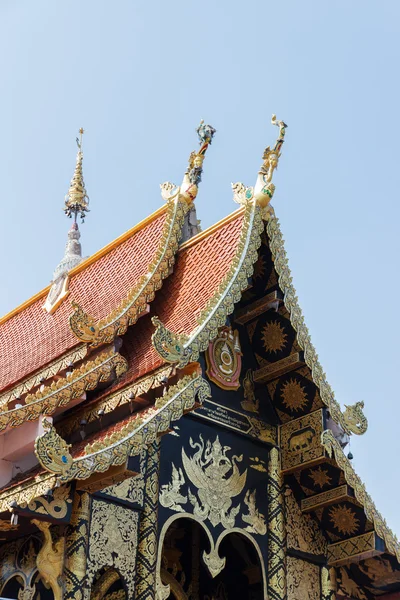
77,200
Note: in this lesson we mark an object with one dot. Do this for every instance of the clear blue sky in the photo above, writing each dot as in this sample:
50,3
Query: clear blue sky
139,75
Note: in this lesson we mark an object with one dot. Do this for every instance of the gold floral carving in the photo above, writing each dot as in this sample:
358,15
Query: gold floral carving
57,507
110,402
303,580
49,371
170,493
143,430
250,402
353,420
214,562
183,349
113,541
303,533
333,448
217,479
62,392
77,540
129,310
18,559
254,518
50,559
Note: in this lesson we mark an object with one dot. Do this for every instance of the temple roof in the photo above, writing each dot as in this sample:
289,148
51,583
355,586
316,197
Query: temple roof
30,337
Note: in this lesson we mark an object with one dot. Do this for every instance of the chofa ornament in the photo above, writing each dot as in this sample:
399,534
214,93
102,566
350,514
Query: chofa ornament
264,189
224,359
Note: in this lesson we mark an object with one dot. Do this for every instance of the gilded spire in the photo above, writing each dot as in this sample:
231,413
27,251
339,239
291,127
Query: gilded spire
77,200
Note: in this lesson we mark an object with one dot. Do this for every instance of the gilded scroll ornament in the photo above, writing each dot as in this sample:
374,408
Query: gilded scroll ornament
52,451
50,559
214,562
141,431
62,392
217,479
57,507
182,348
25,492
353,420
334,449
224,359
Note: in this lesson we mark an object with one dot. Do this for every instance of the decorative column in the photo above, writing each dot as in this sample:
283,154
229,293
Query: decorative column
328,583
276,530
146,562
77,541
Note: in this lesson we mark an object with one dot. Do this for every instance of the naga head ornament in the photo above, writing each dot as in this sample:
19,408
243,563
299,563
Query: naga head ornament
52,451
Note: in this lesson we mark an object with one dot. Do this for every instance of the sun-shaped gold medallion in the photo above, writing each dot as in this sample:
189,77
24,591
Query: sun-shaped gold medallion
344,519
273,337
294,395
320,477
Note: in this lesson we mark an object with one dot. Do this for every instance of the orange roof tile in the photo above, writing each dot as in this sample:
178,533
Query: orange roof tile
199,269
30,337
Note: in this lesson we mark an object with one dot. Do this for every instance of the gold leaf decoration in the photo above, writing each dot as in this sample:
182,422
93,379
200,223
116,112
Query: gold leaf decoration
144,429
182,349
353,420
62,392
129,310
335,450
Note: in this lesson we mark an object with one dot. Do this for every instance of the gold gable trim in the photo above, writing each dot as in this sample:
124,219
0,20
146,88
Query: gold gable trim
127,313
49,371
353,420
62,392
141,431
335,450
118,398
182,349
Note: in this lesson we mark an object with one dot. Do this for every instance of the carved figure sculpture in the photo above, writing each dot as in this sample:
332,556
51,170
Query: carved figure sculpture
50,559
170,496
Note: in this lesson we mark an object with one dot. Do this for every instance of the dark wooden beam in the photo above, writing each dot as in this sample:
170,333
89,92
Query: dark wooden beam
250,312
278,368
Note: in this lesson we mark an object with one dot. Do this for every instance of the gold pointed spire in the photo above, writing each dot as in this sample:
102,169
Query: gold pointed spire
77,200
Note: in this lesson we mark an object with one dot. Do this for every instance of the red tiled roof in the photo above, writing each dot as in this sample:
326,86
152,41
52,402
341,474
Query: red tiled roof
30,338
199,269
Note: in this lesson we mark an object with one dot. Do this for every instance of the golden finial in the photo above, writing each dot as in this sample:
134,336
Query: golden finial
77,200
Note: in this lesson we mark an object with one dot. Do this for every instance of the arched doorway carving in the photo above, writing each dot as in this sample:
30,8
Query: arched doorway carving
191,564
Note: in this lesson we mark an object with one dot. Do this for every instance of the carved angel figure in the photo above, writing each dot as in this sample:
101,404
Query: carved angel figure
256,520
208,470
170,496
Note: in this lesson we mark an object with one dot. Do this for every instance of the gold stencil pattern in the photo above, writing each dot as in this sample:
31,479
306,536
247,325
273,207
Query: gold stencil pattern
320,477
294,396
273,337
303,580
